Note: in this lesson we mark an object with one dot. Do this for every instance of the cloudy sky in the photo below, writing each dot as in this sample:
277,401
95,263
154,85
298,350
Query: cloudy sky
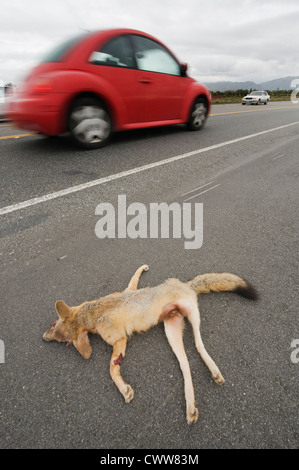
235,40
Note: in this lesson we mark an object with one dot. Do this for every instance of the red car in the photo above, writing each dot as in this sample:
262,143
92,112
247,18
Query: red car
107,81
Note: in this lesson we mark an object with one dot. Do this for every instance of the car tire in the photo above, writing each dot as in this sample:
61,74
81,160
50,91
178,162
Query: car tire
198,115
89,123
265,102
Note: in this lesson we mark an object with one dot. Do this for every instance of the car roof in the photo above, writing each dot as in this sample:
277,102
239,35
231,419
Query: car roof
106,34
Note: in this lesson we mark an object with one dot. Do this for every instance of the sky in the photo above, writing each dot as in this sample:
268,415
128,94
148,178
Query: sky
235,40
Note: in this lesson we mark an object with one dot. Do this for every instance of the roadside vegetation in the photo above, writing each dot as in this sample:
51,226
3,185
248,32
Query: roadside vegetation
235,96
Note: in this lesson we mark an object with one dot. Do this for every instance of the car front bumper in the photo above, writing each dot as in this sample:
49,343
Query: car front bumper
251,101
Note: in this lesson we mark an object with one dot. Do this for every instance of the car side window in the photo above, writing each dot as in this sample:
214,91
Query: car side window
115,53
152,57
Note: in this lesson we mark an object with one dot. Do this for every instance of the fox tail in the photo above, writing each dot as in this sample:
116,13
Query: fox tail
218,282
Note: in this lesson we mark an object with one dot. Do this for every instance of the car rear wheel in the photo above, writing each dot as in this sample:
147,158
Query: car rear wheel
89,123
198,115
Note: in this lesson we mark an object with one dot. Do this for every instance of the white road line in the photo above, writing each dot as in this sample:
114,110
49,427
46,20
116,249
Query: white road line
199,194
195,189
278,156
133,171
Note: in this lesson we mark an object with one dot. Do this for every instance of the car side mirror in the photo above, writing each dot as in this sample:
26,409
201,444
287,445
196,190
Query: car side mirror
184,68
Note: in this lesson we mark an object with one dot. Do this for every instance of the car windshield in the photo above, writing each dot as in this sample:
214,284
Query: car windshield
56,54
255,93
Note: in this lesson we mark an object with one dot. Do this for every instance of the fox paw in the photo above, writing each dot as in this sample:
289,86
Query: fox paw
192,415
218,378
128,393
144,267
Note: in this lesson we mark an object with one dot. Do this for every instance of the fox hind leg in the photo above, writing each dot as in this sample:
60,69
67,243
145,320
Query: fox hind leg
174,331
194,318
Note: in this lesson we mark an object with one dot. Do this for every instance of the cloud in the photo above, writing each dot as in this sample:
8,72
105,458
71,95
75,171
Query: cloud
244,40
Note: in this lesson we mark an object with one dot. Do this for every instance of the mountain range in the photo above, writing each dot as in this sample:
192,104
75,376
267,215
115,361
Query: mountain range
279,83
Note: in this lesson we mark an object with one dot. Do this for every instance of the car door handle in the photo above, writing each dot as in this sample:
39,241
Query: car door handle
145,80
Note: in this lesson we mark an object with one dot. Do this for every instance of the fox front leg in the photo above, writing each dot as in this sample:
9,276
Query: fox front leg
118,354
135,278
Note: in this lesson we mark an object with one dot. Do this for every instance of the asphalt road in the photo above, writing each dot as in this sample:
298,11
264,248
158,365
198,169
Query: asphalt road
243,167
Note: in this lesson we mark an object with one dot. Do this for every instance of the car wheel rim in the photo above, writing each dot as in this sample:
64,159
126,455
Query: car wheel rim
199,114
90,124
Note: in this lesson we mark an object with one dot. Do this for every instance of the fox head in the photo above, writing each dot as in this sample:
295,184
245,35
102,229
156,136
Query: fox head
66,330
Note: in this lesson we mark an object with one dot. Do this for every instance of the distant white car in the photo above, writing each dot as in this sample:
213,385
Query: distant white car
256,97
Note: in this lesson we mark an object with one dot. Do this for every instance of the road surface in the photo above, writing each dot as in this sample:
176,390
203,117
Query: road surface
243,168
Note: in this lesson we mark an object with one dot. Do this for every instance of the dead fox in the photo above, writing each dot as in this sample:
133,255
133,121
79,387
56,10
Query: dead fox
117,316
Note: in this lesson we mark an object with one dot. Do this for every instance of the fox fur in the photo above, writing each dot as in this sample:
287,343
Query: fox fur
117,316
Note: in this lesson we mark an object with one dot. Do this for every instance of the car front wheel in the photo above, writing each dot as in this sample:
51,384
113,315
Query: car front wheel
89,123
198,115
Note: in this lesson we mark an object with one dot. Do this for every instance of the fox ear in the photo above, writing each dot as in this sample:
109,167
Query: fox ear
82,344
62,309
